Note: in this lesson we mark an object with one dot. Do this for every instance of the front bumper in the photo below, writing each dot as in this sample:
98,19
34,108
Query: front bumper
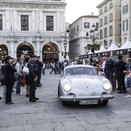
77,98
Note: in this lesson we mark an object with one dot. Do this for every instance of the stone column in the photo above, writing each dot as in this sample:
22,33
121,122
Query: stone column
41,20
12,49
33,21
58,21
38,47
60,56
15,20
7,20
41,56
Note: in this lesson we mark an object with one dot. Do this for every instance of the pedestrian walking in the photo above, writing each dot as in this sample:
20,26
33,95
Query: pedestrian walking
43,68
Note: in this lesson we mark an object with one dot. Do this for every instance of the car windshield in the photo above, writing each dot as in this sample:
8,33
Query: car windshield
80,71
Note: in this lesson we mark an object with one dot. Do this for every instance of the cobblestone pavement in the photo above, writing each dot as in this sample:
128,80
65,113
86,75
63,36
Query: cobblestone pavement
48,114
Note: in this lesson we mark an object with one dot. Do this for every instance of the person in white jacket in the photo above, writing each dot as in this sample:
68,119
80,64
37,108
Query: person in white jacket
18,67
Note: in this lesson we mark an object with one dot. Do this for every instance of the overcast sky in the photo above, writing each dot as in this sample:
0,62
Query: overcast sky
77,8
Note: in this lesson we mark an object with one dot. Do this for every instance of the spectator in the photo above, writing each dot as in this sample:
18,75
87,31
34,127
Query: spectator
18,67
9,78
120,76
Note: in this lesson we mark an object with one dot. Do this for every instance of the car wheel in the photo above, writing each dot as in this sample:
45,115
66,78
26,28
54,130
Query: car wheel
64,103
104,102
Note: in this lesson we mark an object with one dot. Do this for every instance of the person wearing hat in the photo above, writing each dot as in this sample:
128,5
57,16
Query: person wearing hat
9,79
109,68
33,76
120,76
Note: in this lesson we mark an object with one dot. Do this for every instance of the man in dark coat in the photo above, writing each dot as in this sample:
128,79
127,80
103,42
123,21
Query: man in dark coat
109,68
33,76
9,78
120,76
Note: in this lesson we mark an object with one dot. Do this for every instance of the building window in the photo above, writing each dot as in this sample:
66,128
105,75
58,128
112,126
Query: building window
111,17
87,33
101,22
97,24
105,43
1,21
125,25
74,31
105,9
125,9
111,5
101,34
77,27
110,42
105,32
24,22
71,31
101,11
49,23
125,38
105,20
87,25
111,31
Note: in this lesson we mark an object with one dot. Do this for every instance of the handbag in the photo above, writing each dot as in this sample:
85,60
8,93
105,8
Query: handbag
23,80
25,70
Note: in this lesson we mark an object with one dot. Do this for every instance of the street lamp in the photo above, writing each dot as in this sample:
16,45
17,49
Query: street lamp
93,34
65,46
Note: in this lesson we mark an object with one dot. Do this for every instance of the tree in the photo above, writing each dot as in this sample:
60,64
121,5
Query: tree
93,46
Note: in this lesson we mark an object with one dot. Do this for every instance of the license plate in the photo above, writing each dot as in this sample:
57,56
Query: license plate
88,102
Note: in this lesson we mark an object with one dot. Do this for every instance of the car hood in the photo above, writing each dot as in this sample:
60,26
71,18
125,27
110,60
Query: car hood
86,83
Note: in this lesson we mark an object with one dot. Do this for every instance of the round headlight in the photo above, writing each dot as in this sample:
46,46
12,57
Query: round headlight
107,86
67,87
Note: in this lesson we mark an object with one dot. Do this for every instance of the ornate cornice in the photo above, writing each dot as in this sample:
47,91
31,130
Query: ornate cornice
34,5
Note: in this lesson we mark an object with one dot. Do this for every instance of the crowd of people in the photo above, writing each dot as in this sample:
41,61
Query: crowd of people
14,72
118,71
28,70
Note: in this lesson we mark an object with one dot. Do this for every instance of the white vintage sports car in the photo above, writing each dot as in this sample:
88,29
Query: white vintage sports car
82,84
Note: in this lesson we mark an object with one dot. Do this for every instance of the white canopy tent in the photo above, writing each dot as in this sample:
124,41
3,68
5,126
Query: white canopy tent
102,49
112,47
126,45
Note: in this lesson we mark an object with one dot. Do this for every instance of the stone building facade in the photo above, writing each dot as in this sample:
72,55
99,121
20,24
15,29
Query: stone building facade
34,27
80,35
109,22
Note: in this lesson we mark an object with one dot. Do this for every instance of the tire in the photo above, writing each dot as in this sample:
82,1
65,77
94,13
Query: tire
64,103
104,102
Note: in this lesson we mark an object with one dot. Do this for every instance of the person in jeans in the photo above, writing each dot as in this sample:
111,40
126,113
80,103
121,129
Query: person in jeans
128,77
9,79
18,67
